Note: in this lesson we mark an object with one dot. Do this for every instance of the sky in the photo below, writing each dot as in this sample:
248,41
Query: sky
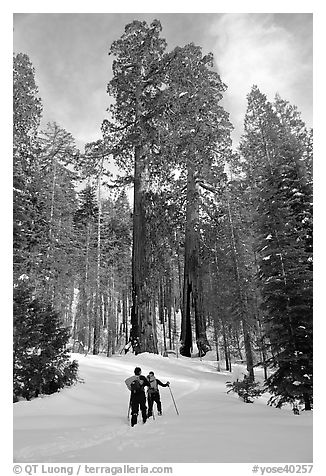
69,52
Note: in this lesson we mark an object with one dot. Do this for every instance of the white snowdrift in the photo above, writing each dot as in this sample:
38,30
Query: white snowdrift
88,422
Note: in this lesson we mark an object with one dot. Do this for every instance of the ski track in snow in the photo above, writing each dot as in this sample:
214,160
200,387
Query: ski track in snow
88,422
62,444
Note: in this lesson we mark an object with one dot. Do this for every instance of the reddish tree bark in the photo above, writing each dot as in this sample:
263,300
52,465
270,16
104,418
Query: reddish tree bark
192,285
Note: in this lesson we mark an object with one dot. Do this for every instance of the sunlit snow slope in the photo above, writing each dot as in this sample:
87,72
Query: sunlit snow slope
88,422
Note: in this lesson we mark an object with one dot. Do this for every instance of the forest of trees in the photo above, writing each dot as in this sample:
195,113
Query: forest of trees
214,251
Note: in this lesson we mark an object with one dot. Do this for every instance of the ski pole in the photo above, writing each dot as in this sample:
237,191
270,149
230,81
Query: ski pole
173,400
129,407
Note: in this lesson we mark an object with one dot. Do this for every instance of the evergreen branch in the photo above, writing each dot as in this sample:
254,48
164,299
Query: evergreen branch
121,182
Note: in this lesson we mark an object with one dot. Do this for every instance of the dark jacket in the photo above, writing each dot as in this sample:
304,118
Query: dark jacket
143,380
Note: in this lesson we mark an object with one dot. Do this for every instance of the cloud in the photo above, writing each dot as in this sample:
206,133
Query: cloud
69,52
263,49
72,68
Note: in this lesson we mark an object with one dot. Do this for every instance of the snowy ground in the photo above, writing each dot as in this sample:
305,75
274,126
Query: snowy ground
88,422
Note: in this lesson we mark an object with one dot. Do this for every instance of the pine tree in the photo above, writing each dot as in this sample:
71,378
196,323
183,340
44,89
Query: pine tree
281,197
56,183
92,166
301,136
228,280
85,221
30,227
41,361
116,275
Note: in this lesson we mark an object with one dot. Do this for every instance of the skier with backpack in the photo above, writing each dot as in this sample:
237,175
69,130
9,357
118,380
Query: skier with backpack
136,384
153,394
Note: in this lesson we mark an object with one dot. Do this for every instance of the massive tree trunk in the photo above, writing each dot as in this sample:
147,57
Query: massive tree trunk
192,285
125,315
141,334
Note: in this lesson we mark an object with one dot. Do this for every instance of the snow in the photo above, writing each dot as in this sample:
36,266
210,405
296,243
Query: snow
88,422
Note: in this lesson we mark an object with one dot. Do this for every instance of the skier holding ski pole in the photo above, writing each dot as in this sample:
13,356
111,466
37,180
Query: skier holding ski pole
136,385
153,394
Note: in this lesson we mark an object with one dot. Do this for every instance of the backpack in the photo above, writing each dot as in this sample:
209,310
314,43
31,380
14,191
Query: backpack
153,385
136,386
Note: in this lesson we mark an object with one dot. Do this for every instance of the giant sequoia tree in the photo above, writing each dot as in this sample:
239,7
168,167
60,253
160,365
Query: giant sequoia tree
167,117
136,88
196,141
